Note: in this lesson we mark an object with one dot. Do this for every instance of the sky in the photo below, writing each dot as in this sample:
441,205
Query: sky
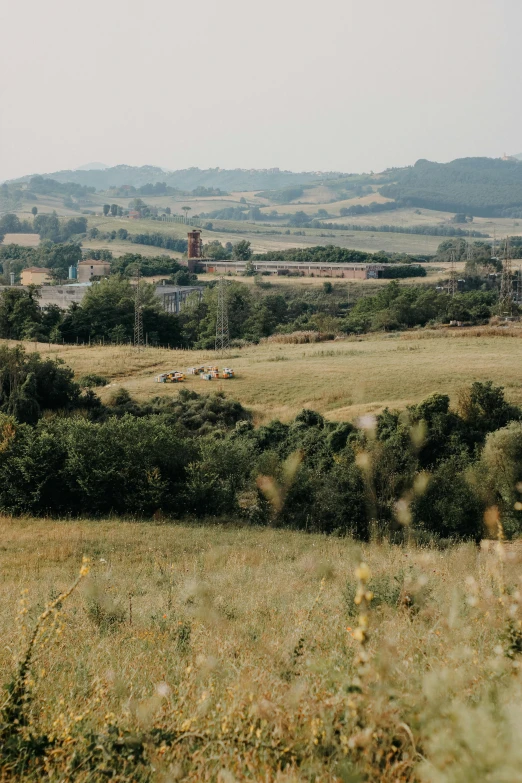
335,85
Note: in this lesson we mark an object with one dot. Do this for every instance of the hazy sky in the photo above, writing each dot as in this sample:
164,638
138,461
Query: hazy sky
345,85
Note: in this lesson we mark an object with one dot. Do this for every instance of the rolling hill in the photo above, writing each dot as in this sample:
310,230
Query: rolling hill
486,187
187,179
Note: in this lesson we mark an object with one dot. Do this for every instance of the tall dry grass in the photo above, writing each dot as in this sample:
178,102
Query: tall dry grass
193,653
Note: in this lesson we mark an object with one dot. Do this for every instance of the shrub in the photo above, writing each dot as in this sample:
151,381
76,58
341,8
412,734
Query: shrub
92,380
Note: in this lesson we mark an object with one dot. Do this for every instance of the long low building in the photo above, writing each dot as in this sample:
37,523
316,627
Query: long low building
348,271
172,297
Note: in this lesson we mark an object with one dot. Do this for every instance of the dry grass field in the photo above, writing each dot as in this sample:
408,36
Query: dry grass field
26,240
213,653
341,379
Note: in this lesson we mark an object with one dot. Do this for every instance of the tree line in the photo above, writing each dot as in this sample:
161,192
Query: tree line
431,469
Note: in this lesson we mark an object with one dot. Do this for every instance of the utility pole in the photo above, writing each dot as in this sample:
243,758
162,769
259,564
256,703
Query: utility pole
505,299
222,335
138,316
452,285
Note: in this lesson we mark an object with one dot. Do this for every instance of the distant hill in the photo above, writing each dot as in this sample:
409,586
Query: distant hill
188,179
485,187
92,167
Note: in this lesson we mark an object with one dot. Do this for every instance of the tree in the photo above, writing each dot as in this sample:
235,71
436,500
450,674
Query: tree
168,210
114,210
19,309
48,226
30,385
106,209
186,210
9,224
249,269
34,211
241,250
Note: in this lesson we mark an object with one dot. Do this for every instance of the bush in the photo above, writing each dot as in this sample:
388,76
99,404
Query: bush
91,381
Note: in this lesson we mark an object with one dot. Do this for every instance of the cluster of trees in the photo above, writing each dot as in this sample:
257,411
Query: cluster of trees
11,224
284,195
55,230
202,457
368,209
114,209
331,254
433,231
127,265
159,240
162,189
51,187
237,213
106,314
400,307
48,226
474,186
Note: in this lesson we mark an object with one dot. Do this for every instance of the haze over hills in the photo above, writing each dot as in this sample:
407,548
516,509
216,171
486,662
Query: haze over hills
96,166
487,187
185,179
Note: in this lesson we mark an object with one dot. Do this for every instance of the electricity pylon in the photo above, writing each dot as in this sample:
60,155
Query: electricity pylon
222,335
452,284
505,299
138,316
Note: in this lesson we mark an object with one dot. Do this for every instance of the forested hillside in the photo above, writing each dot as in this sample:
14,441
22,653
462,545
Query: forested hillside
477,186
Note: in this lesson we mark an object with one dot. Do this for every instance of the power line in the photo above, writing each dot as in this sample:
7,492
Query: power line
222,334
138,316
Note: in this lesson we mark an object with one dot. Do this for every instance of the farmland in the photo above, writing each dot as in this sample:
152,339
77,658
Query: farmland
272,235
342,379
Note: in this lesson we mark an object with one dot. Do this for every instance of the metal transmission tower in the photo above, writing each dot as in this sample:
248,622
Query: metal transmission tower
505,299
222,335
452,284
138,316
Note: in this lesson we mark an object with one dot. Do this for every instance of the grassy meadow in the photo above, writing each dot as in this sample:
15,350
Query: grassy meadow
341,379
212,653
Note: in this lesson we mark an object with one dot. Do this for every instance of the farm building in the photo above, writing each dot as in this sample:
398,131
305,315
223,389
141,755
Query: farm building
36,275
90,267
348,271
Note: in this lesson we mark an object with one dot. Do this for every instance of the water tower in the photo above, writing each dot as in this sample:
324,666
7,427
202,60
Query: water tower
195,249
